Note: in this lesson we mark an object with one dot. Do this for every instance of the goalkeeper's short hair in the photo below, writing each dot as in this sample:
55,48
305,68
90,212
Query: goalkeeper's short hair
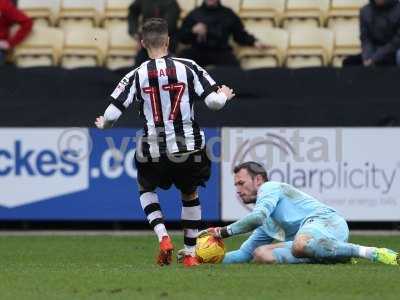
254,169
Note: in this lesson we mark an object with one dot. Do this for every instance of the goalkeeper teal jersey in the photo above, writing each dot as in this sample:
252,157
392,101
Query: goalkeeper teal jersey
280,210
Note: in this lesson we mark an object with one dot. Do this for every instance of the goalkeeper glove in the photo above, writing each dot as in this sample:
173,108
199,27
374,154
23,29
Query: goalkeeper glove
217,232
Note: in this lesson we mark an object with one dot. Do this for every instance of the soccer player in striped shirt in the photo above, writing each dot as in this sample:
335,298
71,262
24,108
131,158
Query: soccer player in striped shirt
172,149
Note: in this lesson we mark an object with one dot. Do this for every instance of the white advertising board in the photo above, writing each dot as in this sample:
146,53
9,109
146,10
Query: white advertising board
354,170
40,163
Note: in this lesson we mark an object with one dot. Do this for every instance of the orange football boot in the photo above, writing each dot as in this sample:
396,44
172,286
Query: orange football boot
190,261
165,254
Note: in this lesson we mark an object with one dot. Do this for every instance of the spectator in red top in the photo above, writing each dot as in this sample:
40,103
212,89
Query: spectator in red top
10,15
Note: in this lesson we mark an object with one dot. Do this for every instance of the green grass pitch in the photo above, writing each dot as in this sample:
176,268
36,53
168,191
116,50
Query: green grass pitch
122,267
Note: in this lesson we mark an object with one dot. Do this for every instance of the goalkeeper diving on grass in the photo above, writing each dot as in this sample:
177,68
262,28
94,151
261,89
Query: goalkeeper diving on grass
307,230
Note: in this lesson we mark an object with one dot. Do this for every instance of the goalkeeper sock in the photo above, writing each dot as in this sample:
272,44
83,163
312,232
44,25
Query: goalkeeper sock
366,252
191,218
152,209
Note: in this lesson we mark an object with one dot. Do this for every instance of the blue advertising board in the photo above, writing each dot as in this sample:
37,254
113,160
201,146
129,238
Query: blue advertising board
96,183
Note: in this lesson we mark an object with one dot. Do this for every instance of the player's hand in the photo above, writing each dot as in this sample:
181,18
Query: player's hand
227,91
200,29
368,63
100,122
4,45
214,231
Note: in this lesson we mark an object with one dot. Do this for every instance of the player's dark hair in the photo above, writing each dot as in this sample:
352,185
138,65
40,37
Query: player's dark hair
253,168
155,32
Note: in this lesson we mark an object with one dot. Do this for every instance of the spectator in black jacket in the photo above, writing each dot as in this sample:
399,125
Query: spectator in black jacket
141,10
380,34
208,29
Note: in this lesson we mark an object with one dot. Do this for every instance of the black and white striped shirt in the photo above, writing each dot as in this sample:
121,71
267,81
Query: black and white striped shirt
164,90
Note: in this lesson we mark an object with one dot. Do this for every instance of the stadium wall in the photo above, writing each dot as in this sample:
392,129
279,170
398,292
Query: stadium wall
47,112
50,97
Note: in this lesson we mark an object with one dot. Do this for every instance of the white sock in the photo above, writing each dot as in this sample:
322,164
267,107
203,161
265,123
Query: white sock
152,209
191,217
160,231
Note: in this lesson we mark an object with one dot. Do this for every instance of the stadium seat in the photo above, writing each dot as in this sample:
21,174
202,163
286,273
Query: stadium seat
84,48
305,13
81,13
309,47
347,42
43,12
122,48
186,6
116,11
342,11
276,38
269,12
42,47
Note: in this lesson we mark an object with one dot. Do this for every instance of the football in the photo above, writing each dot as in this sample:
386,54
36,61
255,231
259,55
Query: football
210,249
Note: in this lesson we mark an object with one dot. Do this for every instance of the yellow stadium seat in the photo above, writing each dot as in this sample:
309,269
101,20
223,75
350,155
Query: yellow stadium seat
122,48
86,47
256,62
81,13
43,12
271,11
305,13
276,38
309,47
186,6
342,11
347,42
344,22
116,11
42,47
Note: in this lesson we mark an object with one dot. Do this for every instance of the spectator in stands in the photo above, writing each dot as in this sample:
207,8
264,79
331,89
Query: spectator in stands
145,9
208,29
10,15
380,35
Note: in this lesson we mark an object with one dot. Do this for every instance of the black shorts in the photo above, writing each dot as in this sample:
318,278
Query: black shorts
186,171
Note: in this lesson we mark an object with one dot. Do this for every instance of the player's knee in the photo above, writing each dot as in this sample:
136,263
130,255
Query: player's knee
299,247
263,256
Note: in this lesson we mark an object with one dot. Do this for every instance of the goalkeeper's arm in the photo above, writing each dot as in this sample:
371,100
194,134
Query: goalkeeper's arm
246,224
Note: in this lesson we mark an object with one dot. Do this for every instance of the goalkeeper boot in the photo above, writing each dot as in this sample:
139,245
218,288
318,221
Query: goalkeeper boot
386,256
190,261
165,254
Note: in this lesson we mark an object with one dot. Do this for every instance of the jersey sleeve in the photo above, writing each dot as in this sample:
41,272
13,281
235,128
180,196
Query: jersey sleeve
204,84
267,198
123,95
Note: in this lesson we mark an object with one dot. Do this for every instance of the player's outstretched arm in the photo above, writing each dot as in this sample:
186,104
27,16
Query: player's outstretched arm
111,115
217,100
246,224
